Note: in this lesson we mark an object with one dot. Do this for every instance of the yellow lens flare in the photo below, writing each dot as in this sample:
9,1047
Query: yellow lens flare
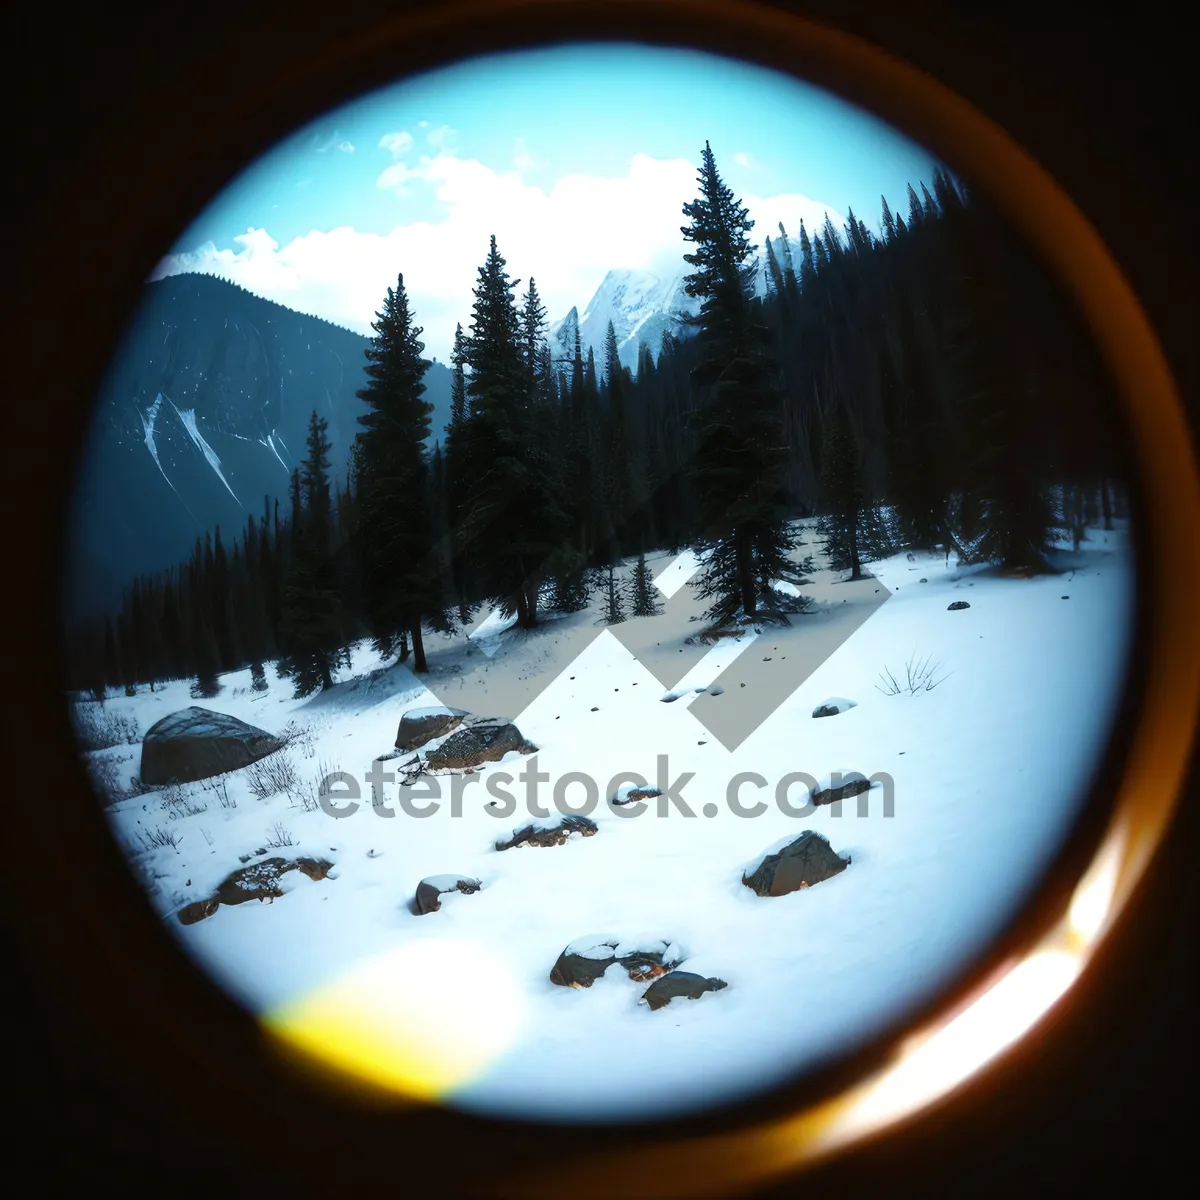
419,1021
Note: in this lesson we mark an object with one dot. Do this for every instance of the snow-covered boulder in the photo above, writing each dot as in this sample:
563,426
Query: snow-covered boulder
680,983
431,890
476,743
586,959
421,725
833,706
196,743
259,881
548,831
629,793
808,860
957,606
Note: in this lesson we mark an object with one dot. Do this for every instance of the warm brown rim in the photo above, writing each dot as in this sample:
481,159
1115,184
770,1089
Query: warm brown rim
1161,736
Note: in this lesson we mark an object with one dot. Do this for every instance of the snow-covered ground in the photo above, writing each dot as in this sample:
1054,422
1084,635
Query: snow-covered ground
989,769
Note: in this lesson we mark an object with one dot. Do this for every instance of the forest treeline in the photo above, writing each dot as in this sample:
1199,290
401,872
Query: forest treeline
929,388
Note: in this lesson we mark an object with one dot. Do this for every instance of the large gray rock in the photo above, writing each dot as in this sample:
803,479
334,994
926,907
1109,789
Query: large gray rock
809,859
477,743
421,725
195,743
680,983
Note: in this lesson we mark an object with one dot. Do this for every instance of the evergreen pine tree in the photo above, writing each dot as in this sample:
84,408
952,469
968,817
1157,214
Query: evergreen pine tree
258,677
614,601
310,605
843,499
643,597
515,518
402,574
740,451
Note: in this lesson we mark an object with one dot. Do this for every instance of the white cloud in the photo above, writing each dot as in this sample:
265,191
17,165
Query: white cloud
396,143
522,157
346,147
742,158
567,237
441,137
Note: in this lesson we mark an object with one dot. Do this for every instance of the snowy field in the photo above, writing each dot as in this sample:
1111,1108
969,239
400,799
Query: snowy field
988,771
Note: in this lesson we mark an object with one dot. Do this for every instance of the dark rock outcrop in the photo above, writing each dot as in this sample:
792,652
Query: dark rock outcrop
431,890
635,795
579,965
198,910
957,606
196,743
680,983
808,860
549,834
476,743
851,783
260,880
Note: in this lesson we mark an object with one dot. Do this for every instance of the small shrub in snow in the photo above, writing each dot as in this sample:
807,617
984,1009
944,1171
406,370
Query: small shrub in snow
299,736
258,677
177,803
218,788
279,836
271,775
307,794
158,838
920,675
98,728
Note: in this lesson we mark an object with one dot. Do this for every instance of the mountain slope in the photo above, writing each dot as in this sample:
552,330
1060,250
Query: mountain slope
200,422
642,307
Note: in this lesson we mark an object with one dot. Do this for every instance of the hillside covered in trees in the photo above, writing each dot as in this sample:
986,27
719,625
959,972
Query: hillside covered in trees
925,389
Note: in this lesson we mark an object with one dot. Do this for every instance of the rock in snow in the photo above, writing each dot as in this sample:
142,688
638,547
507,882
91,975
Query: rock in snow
840,785
680,983
479,742
586,959
957,605
196,743
548,831
421,725
259,881
431,890
833,706
809,859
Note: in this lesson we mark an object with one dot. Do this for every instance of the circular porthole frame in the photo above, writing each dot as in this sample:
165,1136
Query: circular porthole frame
219,1051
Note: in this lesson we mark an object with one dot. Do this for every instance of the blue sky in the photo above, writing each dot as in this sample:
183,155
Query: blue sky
579,158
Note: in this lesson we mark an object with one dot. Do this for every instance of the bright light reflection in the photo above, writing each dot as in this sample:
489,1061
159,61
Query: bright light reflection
932,1068
1093,899
421,1020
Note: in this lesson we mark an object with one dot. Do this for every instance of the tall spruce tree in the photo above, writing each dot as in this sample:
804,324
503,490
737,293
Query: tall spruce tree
311,632
643,600
402,576
740,450
515,519
844,502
